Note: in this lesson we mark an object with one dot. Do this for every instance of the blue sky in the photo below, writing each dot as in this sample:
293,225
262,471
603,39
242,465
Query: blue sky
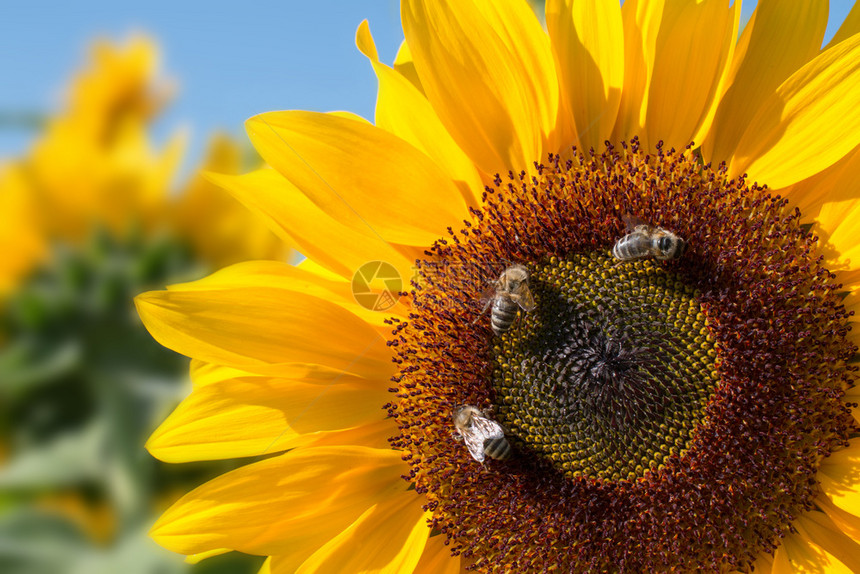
231,61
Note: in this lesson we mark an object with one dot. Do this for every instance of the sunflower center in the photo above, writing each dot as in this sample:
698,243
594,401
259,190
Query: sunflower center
611,372
664,415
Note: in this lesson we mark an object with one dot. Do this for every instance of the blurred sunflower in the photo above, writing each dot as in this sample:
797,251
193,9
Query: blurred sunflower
91,218
689,415
94,167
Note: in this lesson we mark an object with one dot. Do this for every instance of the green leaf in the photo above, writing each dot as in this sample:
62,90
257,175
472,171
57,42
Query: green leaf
33,542
135,553
26,364
69,459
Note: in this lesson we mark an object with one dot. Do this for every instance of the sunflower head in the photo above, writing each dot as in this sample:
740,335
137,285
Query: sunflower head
670,381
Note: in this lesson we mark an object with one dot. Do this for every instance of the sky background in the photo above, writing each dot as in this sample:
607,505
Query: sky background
229,61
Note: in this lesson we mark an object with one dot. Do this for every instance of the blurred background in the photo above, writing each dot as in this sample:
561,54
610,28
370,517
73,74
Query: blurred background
106,116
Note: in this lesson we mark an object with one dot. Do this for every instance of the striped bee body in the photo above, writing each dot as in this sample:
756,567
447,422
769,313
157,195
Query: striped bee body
646,241
482,435
497,448
503,314
509,292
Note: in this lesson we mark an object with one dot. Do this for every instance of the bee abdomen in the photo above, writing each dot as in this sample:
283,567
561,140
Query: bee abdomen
497,448
503,315
628,247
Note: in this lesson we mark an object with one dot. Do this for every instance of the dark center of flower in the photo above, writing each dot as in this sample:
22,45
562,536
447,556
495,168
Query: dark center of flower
611,373
663,415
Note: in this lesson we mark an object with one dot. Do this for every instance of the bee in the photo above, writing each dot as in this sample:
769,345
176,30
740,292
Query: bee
643,240
482,435
510,291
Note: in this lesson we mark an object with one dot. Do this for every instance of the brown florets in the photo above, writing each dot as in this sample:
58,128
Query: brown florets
750,438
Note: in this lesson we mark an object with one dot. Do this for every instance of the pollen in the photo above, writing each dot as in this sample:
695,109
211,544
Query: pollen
663,415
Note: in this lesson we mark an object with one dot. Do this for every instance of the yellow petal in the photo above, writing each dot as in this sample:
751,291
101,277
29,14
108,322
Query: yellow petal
374,435
693,60
266,568
845,521
487,68
849,27
437,558
313,267
691,51
677,56
763,564
404,111
838,478
781,564
301,499
805,557
257,415
360,175
388,538
315,233
587,40
641,21
201,556
258,328
808,124
821,532
838,227
350,116
405,65
833,184
783,36
280,275
203,373
740,53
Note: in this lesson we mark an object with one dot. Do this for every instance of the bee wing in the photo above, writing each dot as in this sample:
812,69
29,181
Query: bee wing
479,431
486,428
525,299
475,444
487,296
632,222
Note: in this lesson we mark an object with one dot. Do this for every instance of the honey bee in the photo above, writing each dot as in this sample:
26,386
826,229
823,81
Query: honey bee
643,240
510,291
482,435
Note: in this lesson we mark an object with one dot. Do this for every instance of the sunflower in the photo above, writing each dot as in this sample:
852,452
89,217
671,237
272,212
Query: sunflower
686,414
94,166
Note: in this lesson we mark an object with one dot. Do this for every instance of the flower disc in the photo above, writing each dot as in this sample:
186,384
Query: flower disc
663,415
611,373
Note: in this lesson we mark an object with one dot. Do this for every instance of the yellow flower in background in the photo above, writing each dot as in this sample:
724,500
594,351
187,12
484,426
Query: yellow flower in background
18,205
95,163
96,167
687,415
218,228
